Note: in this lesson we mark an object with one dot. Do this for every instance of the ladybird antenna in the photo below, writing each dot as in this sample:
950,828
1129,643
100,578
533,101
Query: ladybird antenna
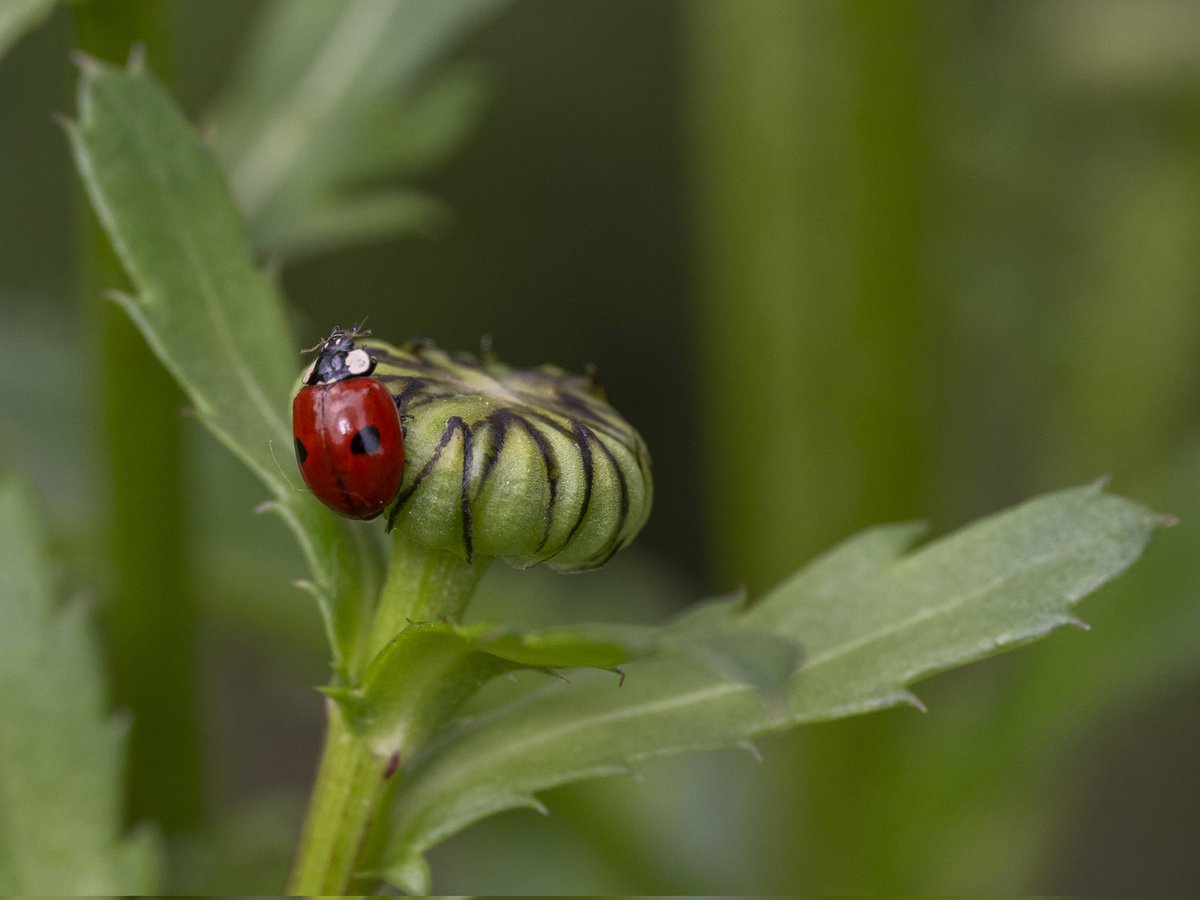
354,331
323,342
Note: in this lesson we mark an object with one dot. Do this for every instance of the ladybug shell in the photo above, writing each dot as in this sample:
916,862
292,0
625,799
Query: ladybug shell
350,445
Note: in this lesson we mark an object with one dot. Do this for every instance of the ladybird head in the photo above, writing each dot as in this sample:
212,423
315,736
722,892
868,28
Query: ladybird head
337,358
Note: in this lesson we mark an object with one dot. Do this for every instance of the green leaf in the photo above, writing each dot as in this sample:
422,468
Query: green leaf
343,220
20,16
425,127
326,101
414,683
61,756
429,669
214,319
870,619
755,659
211,316
1003,581
596,645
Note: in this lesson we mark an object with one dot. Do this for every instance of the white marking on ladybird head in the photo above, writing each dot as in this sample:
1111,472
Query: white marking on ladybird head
306,378
359,362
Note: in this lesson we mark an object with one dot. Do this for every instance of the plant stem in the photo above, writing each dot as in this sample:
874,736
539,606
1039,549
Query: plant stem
811,187
350,780
353,779
814,176
151,614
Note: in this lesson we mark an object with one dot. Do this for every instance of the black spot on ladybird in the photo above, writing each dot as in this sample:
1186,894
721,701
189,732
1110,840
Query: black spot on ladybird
365,441
301,452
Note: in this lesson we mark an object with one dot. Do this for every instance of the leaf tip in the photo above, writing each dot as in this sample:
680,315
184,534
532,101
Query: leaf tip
309,588
532,802
411,874
346,698
128,302
1076,622
914,701
752,748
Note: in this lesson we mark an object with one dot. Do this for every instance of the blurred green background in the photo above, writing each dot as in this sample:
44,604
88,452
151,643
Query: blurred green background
840,262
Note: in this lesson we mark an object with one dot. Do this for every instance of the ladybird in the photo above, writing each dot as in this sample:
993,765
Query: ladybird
348,436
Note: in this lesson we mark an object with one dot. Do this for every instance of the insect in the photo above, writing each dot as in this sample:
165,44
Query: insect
348,435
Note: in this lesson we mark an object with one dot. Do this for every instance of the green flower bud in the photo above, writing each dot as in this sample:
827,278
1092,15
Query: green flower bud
529,465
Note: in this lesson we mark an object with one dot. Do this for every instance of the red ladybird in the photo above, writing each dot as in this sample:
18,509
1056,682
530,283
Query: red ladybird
349,440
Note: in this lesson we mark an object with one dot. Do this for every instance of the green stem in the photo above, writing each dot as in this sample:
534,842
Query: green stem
813,179
810,186
151,614
354,781
345,801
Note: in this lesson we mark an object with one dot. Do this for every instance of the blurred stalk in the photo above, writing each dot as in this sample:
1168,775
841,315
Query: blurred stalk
808,177
1123,399
151,616
810,174
1128,367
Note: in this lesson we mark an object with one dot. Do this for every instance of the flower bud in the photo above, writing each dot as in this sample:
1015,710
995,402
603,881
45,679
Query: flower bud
529,465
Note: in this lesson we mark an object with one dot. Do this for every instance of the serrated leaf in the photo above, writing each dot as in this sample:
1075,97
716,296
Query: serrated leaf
318,108
870,620
19,16
1000,582
61,755
211,316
